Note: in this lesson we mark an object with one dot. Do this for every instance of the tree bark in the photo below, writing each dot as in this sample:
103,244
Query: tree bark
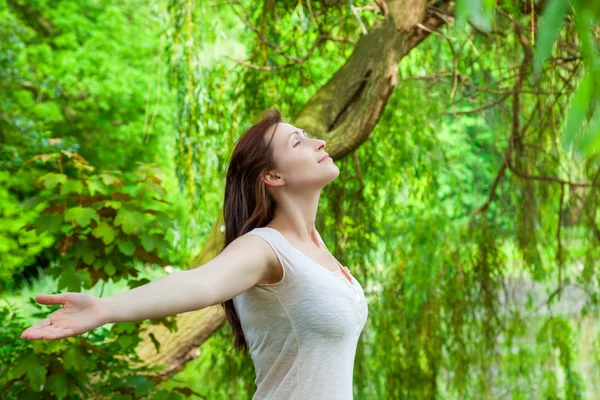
343,112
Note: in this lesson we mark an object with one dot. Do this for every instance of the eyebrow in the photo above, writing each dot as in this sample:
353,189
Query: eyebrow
293,133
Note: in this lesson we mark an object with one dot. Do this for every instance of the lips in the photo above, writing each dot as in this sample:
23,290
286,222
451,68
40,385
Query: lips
324,157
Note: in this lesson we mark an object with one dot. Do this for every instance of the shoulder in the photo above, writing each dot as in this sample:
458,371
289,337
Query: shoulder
257,242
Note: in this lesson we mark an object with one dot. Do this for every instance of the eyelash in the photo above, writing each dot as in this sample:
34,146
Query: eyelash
299,142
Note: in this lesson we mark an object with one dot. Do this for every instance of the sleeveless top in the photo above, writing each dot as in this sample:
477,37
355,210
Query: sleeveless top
302,331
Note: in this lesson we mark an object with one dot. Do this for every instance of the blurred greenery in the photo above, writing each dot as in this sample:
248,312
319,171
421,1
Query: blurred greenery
469,215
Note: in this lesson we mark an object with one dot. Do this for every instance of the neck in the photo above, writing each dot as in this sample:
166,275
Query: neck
296,215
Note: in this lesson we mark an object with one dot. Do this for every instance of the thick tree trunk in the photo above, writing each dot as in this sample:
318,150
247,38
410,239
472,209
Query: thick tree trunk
343,112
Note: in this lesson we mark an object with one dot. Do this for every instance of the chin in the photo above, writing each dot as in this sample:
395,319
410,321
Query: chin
334,174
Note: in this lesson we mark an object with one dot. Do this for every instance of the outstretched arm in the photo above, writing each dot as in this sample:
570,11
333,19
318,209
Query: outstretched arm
246,261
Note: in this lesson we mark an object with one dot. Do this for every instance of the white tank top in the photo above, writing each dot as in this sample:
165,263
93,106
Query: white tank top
302,331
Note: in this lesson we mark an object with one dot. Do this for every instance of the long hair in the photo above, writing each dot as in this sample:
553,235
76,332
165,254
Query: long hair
247,204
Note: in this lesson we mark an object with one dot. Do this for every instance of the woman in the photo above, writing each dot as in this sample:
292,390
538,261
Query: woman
288,300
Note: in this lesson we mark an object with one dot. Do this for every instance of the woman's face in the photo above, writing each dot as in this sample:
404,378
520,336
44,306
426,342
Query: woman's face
297,157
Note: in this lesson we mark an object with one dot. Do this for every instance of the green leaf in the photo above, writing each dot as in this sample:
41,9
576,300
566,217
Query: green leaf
24,364
141,384
82,215
69,281
58,385
89,256
98,264
127,247
130,221
162,245
36,376
155,342
71,186
51,179
550,25
133,283
50,347
73,280
86,278
94,186
147,242
113,204
104,231
48,222
479,12
125,327
577,110
109,179
160,395
110,269
74,359
109,249
590,138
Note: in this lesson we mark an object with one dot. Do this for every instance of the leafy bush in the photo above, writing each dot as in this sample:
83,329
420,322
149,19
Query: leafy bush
106,225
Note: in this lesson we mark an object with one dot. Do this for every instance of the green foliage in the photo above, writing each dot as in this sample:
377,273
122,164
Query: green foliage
480,13
556,336
103,364
462,201
550,25
409,213
88,214
582,122
18,247
104,222
81,70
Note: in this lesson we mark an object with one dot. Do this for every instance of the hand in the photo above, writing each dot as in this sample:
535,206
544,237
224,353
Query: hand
80,313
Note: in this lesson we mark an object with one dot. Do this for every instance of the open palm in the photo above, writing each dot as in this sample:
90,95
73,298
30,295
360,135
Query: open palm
80,313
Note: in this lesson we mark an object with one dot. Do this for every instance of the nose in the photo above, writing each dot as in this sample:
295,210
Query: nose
321,144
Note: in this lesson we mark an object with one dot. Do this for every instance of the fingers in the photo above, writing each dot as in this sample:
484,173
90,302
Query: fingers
51,298
42,324
46,333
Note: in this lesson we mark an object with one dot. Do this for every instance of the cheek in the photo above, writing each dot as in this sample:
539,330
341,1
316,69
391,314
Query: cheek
298,165
306,160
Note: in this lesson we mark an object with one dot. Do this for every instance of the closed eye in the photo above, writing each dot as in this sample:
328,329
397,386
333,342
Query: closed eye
305,134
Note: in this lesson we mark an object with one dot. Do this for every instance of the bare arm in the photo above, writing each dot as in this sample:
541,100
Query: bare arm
245,262
237,268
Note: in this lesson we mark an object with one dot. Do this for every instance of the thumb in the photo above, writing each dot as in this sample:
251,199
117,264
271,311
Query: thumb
51,298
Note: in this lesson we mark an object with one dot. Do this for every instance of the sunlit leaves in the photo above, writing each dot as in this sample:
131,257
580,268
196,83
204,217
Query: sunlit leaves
129,220
550,26
477,12
71,186
98,364
104,231
51,179
585,101
83,216
123,212
126,246
578,109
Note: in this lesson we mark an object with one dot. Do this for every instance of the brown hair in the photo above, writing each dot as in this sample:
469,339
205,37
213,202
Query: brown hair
247,204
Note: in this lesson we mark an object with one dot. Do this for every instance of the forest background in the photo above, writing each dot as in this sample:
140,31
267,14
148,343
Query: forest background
467,138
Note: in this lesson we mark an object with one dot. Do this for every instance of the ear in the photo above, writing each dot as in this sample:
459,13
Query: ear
273,179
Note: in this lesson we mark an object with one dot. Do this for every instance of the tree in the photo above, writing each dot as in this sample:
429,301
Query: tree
343,112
